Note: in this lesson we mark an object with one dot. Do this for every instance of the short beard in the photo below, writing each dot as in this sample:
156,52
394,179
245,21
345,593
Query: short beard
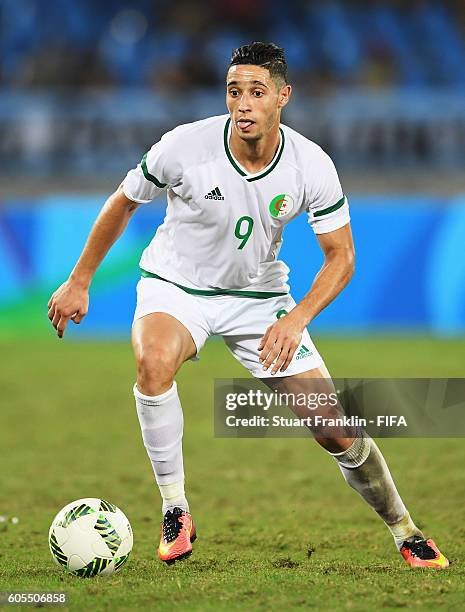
254,138
257,137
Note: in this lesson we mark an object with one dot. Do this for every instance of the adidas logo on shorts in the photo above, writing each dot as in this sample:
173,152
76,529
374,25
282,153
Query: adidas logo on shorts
303,352
214,194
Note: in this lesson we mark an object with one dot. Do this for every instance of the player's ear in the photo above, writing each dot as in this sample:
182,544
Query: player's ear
284,95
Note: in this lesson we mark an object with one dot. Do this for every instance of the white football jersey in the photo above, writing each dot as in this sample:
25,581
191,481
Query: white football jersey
223,226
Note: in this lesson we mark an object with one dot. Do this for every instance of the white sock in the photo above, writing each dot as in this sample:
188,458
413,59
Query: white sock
404,530
161,421
365,470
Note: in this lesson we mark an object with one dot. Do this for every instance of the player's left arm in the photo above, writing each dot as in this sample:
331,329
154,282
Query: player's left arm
281,339
336,272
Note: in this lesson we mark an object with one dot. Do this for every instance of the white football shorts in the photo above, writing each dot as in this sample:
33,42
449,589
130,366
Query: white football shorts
240,321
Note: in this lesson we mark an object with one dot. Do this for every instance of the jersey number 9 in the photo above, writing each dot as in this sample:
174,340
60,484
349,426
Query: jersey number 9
243,230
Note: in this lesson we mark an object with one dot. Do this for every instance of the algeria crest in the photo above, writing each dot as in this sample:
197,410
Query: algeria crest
281,205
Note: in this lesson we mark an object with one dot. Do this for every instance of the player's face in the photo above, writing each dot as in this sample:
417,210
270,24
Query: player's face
254,100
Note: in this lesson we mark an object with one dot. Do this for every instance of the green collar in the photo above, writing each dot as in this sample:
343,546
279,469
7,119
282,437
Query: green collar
253,177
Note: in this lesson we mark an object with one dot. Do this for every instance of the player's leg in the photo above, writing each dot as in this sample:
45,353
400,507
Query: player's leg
168,330
365,470
161,345
357,455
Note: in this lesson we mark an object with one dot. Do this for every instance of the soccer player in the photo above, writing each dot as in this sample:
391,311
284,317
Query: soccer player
233,182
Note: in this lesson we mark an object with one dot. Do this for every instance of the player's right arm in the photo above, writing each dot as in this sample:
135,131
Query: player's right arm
158,170
70,301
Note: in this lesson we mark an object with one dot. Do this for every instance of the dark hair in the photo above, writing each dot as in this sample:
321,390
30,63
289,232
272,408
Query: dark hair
268,55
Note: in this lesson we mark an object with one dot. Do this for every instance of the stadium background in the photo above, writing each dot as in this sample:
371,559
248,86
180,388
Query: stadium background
85,90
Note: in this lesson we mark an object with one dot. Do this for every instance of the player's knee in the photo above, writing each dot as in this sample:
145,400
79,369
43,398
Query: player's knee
334,445
156,368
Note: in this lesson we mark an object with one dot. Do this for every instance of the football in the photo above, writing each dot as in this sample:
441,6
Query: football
90,537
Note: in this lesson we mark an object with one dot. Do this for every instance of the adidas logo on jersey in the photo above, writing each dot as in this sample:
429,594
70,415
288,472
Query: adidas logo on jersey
304,352
214,194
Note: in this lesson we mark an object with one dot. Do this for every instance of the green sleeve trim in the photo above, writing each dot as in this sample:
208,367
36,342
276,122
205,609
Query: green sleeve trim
148,176
330,209
260,295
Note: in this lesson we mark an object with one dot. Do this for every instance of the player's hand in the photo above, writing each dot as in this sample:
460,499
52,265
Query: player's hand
69,302
278,345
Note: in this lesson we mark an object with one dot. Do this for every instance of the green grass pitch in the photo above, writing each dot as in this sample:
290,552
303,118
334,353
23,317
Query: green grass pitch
278,527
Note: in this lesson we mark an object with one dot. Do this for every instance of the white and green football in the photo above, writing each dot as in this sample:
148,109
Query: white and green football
90,537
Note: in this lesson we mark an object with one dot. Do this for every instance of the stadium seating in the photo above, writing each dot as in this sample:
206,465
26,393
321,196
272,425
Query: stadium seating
126,43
